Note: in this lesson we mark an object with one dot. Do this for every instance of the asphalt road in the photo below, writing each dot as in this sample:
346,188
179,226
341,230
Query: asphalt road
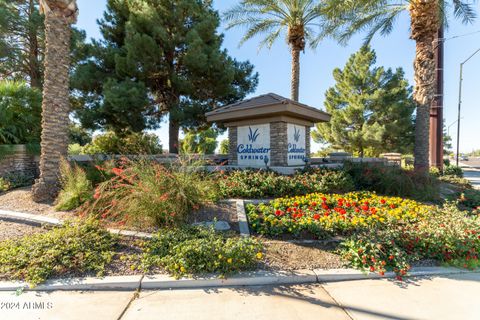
472,162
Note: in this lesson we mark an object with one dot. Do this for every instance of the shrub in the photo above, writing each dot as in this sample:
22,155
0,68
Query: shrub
321,214
76,247
453,171
470,199
393,181
457,181
148,193
76,188
268,184
20,113
15,180
197,250
129,144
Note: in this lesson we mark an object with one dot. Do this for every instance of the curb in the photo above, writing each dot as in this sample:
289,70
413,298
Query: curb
23,217
255,278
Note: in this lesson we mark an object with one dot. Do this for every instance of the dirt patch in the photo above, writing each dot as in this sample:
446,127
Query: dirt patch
11,230
220,211
283,255
21,200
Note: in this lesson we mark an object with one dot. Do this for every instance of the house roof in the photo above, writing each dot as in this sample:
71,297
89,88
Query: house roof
265,106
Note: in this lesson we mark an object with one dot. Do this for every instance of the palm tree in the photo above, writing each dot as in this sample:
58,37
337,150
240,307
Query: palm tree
272,17
59,15
426,17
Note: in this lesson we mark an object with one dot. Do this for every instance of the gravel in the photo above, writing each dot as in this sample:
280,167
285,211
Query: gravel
21,200
11,230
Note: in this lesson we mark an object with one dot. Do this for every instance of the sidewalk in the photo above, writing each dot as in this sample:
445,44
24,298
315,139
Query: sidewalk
440,297
473,175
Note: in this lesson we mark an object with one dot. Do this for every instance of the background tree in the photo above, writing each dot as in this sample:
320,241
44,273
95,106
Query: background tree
224,146
158,57
296,18
21,41
59,15
371,108
426,16
202,142
447,141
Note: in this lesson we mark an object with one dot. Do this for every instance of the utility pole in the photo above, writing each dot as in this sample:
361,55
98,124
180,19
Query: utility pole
460,101
436,109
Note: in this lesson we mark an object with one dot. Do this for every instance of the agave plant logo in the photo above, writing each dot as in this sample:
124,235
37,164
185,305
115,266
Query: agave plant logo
253,135
296,135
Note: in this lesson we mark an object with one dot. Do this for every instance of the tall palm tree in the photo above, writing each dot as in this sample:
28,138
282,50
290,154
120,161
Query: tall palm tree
59,15
426,17
273,17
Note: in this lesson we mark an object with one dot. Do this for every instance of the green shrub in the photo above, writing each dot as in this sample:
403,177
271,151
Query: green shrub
128,144
198,250
15,180
76,188
268,184
393,181
470,199
145,193
76,247
20,113
453,171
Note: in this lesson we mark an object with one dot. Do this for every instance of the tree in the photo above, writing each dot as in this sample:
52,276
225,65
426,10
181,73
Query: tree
20,109
426,17
158,57
225,146
21,41
203,142
371,108
59,15
447,141
272,17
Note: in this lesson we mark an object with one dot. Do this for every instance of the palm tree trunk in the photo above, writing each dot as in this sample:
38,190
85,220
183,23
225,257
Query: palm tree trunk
424,24
55,106
295,73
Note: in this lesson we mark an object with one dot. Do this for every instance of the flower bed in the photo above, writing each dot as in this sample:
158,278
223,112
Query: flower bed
325,214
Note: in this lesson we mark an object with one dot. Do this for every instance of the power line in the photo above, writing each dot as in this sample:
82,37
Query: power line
461,35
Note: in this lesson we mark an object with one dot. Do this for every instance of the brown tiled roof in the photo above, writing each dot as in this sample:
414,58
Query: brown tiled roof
268,101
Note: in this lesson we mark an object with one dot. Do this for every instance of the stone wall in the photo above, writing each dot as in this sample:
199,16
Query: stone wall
232,145
19,161
278,144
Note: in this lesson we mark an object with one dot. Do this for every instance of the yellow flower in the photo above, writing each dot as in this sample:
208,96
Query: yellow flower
229,260
182,269
220,256
259,255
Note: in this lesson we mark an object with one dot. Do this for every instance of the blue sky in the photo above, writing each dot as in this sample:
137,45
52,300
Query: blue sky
396,50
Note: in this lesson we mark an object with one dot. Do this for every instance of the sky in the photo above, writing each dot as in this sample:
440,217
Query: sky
393,51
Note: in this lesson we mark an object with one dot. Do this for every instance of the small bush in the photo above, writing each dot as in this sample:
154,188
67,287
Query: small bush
5,185
470,199
15,180
128,144
190,251
76,188
145,193
453,171
457,181
76,247
255,184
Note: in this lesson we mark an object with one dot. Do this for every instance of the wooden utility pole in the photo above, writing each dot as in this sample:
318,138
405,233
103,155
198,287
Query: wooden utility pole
436,110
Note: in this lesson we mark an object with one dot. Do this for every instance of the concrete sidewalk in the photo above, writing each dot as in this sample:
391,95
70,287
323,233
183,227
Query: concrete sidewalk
440,297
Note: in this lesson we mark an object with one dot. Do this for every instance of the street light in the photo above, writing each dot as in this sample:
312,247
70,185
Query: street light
451,124
460,102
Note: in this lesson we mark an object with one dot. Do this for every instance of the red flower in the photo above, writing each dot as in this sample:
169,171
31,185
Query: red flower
316,216
295,204
278,213
372,268
365,207
392,206
314,204
383,201
357,210
399,278
117,171
324,206
391,257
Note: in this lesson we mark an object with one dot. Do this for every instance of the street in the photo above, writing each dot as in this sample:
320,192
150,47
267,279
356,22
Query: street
441,297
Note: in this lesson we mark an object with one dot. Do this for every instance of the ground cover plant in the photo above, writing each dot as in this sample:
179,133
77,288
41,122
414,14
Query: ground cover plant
256,184
198,250
327,214
76,188
145,193
76,247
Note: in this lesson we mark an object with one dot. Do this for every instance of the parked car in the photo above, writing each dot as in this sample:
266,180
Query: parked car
463,158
